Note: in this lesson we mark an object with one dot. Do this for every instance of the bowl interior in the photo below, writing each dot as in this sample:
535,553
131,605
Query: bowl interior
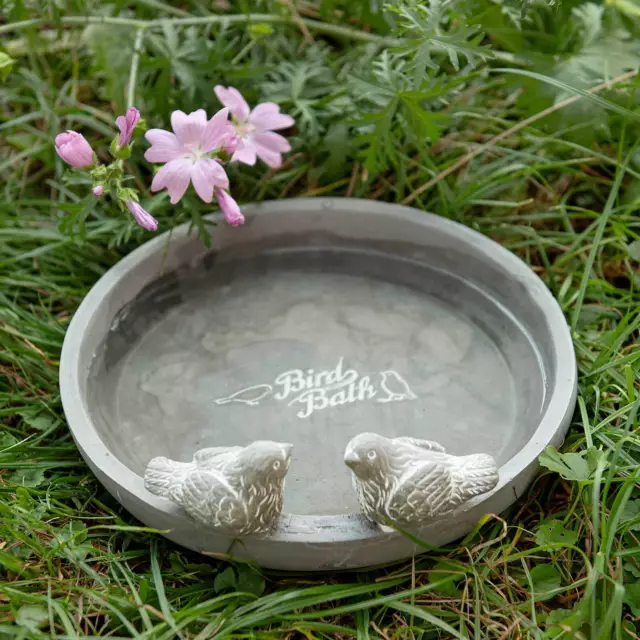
311,342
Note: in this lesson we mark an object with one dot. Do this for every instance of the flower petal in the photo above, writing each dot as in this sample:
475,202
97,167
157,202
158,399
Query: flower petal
189,128
127,124
266,152
232,98
175,177
245,152
267,116
121,123
207,174
133,117
164,146
217,131
273,141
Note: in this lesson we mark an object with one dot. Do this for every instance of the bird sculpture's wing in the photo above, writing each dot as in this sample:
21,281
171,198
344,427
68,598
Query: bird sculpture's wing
165,477
422,493
214,457
475,474
423,444
212,501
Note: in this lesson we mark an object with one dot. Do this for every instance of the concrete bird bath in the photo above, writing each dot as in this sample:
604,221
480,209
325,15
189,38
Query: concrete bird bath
316,322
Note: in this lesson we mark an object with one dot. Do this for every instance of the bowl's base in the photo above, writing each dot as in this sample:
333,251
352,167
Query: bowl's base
313,347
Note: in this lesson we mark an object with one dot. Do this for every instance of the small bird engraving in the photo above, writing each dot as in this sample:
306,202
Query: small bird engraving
409,481
395,386
250,396
238,490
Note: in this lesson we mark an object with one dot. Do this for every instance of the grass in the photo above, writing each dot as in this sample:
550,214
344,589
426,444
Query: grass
521,148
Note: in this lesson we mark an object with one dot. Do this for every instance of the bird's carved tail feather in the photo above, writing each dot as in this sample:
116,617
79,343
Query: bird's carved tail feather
478,474
165,477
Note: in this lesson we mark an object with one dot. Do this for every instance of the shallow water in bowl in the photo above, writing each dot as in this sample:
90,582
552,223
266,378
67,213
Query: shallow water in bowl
313,348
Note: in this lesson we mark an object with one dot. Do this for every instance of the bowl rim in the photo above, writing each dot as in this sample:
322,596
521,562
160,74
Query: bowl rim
316,528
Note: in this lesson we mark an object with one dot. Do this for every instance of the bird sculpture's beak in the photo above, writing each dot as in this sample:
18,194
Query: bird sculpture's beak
351,458
287,450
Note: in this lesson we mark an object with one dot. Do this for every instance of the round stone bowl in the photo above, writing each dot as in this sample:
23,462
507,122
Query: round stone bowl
464,338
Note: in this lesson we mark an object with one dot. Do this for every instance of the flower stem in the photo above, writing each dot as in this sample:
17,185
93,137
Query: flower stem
243,52
133,72
313,25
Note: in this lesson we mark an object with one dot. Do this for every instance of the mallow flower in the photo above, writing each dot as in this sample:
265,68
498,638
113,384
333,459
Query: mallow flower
186,154
73,148
253,129
127,123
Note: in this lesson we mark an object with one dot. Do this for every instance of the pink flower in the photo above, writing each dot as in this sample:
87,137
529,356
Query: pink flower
229,208
74,149
127,123
254,129
185,153
97,191
143,218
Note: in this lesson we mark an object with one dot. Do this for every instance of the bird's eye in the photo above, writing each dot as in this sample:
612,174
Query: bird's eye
371,455
276,465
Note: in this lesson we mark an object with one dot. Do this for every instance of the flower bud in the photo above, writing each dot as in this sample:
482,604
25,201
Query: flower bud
127,123
229,208
74,149
143,218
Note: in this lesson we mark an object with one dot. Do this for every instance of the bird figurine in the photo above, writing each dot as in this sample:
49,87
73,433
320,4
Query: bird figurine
408,481
395,386
237,490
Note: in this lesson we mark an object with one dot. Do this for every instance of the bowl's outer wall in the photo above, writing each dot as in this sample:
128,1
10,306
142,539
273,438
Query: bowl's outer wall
324,542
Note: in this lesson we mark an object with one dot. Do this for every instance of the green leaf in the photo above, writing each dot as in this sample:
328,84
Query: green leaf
554,620
553,532
593,457
632,597
9,562
425,125
31,616
111,57
6,64
27,477
631,511
250,580
447,574
70,541
631,568
38,419
545,578
225,581
595,99
7,441
590,15
633,249
571,466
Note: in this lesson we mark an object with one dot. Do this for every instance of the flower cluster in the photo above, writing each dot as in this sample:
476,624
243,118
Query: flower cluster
194,152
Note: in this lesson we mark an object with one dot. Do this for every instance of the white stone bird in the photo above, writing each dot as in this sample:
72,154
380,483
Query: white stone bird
237,490
409,481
